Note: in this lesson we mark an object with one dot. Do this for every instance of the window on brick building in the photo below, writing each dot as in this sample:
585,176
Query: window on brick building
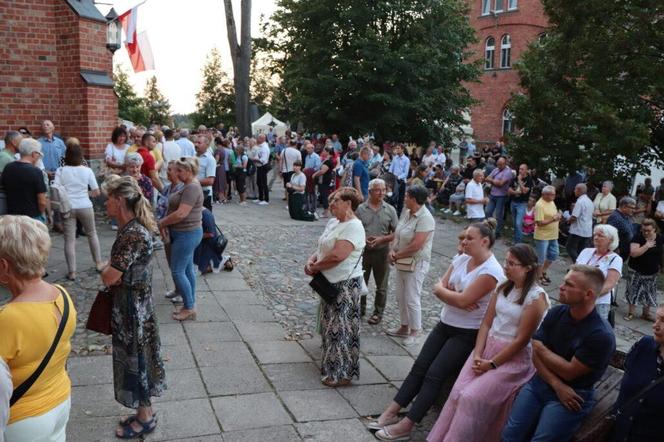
489,51
486,7
512,5
508,124
500,6
505,51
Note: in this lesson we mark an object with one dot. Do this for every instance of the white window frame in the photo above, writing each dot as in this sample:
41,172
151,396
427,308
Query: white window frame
486,7
507,122
502,6
506,52
489,49
512,5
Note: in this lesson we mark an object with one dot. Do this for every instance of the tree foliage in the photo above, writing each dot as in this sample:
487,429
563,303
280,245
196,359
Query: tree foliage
393,68
130,106
215,101
594,89
158,106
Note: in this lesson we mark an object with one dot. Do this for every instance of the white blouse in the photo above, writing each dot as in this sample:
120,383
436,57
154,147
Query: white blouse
508,313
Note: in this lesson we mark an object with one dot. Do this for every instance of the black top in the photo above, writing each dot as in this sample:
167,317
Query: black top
22,183
650,262
590,340
327,176
527,182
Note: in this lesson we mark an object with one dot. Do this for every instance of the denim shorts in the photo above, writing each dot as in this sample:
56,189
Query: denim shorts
546,249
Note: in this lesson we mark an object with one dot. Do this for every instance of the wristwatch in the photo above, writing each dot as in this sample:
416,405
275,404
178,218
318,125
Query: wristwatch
493,365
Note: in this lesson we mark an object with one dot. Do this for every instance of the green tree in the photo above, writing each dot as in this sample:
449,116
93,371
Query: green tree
594,89
241,58
215,101
158,106
393,68
130,106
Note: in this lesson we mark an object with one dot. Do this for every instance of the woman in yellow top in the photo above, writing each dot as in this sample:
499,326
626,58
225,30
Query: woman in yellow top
547,218
28,326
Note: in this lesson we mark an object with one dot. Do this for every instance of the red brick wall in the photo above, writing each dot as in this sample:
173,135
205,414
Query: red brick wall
45,46
523,25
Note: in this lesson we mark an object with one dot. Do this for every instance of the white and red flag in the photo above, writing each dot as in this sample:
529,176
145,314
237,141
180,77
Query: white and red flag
137,43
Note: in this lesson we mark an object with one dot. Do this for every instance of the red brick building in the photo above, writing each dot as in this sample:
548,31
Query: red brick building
55,65
504,29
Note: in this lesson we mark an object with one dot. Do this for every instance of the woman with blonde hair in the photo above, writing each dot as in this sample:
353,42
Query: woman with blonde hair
183,225
38,317
138,370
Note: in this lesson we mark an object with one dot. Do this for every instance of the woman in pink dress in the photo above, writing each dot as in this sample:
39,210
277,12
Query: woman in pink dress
482,396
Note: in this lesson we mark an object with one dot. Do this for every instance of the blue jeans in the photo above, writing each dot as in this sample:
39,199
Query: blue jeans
518,212
538,415
497,204
547,250
183,245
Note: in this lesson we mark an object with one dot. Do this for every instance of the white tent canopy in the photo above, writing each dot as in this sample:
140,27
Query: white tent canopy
264,123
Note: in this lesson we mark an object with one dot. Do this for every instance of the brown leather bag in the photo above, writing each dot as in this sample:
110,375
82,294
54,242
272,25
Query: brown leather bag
99,319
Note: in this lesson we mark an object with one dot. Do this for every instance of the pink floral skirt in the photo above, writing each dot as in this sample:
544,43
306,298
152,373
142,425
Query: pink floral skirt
479,405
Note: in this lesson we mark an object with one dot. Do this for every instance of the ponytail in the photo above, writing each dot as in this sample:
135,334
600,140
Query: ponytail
143,212
128,189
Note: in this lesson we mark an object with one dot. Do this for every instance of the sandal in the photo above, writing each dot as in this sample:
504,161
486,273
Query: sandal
628,317
330,383
374,319
228,265
385,434
146,428
129,419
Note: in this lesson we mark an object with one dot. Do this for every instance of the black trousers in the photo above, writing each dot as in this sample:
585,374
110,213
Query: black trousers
261,182
442,356
296,207
575,244
401,194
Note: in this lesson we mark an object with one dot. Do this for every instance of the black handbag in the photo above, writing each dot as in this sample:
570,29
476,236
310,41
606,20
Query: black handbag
220,242
325,289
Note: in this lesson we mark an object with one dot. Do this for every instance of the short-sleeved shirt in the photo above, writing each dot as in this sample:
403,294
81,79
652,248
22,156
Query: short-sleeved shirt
590,340
289,156
604,203
76,181
651,261
5,158
149,164
501,175
505,324
583,211
300,180
53,150
115,154
28,330
460,278
327,176
610,261
192,195
207,168
361,170
625,231
379,222
544,211
523,197
409,225
351,231
22,183
474,191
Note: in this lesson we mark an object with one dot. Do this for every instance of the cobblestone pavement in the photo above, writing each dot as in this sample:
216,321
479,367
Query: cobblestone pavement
272,367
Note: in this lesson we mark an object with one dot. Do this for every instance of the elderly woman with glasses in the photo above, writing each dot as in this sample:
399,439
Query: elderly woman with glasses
338,258
602,256
605,203
133,163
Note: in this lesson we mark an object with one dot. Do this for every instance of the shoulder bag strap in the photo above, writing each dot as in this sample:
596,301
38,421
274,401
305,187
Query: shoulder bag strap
25,386
641,393
356,264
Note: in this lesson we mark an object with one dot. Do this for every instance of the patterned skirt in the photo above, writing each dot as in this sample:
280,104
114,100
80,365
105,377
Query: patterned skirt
340,332
641,289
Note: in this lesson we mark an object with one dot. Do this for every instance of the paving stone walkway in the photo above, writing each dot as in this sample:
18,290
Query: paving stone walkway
247,370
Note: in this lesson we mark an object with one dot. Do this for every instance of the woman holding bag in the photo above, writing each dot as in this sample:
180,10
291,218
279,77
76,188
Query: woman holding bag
411,253
338,259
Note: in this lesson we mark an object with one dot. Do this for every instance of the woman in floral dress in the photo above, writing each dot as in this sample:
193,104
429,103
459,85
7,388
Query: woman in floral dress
138,370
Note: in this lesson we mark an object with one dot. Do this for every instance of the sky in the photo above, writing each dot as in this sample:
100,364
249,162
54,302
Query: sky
181,34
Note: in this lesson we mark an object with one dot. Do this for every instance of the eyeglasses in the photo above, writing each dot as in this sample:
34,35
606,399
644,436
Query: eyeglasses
513,264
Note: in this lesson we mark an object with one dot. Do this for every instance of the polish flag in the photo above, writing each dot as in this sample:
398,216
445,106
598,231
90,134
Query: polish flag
137,44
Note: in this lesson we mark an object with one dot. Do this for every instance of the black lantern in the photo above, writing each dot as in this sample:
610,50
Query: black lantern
113,31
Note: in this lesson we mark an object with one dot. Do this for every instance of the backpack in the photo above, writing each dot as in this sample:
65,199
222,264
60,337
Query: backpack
60,199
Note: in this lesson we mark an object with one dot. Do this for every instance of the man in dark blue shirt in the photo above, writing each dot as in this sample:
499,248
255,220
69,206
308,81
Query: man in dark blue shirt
571,350
621,219
361,172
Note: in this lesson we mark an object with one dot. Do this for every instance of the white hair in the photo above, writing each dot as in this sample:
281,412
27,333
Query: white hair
25,243
27,146
610,232
376,182
549,189
134,158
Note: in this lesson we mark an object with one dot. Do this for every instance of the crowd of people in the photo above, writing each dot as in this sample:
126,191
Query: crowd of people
522,369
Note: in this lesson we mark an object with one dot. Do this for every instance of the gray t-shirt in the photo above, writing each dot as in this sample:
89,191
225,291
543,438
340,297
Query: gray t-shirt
298,179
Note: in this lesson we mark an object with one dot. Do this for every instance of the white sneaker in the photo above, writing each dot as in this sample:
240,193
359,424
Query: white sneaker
114,227
457,213
243,203
263,203
177,300
172,294
411,340
316,216
256,201
447,211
